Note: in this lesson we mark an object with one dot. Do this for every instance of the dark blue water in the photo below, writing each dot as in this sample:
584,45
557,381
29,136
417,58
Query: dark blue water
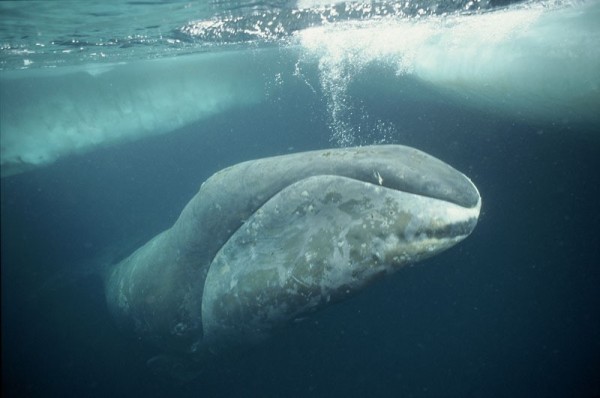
513,311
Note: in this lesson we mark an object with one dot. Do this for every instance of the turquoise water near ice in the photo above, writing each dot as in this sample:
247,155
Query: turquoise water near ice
103,76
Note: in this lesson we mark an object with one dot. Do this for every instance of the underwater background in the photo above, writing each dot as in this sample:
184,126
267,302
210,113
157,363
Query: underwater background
113,114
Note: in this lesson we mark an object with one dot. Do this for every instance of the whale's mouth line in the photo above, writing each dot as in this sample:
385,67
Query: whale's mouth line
458,228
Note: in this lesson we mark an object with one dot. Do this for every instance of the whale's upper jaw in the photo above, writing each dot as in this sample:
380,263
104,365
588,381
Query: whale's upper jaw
405,169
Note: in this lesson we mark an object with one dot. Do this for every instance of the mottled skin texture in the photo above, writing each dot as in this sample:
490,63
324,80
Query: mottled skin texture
340,235
266,241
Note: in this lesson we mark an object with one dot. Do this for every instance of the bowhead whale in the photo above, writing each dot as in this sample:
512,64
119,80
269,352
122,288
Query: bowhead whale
268,241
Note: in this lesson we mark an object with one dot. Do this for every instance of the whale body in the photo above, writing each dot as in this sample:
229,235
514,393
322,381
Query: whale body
269,241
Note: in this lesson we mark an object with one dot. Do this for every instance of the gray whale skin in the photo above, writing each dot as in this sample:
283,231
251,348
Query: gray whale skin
268,241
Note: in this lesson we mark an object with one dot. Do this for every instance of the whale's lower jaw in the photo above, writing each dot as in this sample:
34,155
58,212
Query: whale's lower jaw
269,240
320,240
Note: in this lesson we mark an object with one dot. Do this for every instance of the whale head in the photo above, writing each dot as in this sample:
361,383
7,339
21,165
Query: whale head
268,241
